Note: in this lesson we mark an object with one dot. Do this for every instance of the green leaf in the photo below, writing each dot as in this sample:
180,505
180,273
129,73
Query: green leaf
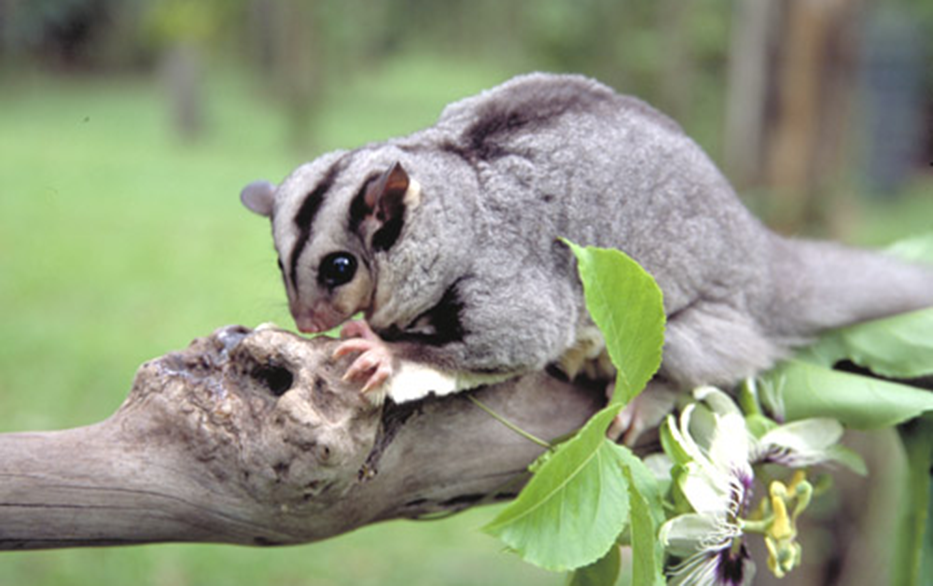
647,515
915,543
900,346
671,446
603,572
748,397
627,306
860,402
848,458
918,248
758,425
577,503
573,509
644,480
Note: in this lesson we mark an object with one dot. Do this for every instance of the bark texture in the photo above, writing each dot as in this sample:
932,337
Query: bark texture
251,437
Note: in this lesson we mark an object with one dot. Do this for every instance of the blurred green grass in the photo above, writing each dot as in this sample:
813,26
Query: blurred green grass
120,242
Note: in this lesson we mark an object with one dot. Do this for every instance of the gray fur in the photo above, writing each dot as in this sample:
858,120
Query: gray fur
507,172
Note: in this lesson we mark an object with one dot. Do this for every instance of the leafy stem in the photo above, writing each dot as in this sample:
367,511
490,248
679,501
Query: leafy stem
509,424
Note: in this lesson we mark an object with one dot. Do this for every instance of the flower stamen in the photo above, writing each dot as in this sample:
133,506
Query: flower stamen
784,553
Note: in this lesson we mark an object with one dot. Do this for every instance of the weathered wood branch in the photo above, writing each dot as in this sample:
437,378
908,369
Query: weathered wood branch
251,437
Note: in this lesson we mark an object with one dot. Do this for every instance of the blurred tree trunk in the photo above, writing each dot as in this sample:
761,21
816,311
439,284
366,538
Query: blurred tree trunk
6,12
752,46
894,64
677,67
182,64
792,74
288,54
262,34
298,74
183,30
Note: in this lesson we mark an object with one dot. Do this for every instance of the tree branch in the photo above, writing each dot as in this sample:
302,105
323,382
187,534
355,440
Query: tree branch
251,437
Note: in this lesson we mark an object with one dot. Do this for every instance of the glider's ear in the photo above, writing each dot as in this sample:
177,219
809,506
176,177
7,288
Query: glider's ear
386,201
258,197
385,197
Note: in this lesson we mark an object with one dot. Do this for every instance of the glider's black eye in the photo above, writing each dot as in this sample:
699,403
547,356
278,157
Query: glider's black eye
337,268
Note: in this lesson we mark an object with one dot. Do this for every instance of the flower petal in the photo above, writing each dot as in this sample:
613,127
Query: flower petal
716,566
683,448
699,570
717,400
702,426
800,443
660,466
729,448
706,489
688,534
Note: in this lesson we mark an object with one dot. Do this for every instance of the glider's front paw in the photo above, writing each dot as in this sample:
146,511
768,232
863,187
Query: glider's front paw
375,362
358,329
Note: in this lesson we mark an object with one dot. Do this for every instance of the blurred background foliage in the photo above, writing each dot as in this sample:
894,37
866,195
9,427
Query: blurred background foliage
127,128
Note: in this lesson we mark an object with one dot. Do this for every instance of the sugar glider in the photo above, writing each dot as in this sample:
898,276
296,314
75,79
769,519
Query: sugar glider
448,241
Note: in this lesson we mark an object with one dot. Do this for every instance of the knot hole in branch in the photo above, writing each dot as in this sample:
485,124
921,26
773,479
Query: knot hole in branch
276,378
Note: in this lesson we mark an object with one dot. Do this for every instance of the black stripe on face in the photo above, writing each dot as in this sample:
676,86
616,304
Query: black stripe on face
359,209
305,218
386,237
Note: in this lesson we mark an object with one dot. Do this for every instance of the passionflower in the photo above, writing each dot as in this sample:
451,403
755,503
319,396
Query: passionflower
713,455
